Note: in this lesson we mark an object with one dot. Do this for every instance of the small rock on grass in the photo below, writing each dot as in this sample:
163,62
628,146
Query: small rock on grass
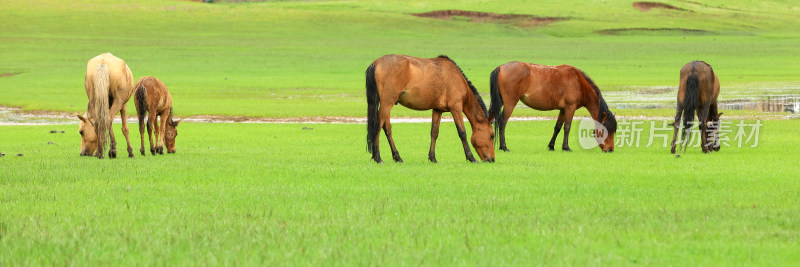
19,155
53,131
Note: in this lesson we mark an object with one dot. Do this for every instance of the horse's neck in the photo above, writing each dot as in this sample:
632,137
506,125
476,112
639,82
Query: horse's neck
592,103
473,111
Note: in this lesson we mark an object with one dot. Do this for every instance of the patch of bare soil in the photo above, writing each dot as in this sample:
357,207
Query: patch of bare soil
681,30
646,6
8,74
519,20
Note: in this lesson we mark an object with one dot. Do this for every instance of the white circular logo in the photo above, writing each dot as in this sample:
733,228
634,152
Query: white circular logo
591,133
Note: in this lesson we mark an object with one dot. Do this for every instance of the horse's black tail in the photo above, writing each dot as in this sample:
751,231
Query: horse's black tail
496,107
690,98
373,105
140,100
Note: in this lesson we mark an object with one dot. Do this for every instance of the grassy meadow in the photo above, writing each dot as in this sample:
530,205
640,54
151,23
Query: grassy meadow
307,59
278,194
308,194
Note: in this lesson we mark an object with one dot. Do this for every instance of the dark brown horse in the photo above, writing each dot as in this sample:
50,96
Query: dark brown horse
153,97
697,92
540,87
423,84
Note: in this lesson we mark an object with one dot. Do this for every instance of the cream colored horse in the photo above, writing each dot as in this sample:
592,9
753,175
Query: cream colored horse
109,86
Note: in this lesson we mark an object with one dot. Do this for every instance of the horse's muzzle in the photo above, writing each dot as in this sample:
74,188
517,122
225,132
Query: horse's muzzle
491,160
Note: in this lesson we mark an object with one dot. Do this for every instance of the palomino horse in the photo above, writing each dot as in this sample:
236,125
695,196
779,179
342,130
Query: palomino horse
540,87
423,84
108,80
698,91
152,97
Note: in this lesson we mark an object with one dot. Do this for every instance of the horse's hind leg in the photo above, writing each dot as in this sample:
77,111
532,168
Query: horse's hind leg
387,129
508,108
714,113
150,121
556,130
141,131
124,114
568,113
437,118
675,126
462,133
702,118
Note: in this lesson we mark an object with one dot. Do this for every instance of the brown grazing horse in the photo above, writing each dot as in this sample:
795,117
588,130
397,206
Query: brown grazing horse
422,84
540,87
108,80
153,97
698,91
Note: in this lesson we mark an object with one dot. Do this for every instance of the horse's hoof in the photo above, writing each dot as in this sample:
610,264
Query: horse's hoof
153,151
112,154
551,148
566,149
398,160
433,160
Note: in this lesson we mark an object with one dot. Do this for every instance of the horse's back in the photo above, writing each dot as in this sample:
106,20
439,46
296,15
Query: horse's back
156,92
419,83
541,87
120,77
708,80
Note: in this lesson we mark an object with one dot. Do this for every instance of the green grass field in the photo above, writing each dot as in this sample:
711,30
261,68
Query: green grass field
276,194
279,194
305,59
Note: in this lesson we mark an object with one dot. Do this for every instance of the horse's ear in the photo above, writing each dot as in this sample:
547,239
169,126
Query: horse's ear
175,123
719,115
85,120
604,118
491,118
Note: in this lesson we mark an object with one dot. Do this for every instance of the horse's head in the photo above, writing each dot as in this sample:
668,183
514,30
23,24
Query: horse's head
170,132
609,122
483,140
88,136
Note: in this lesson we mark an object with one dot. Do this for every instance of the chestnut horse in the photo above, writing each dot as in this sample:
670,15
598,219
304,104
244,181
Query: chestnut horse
153,97
422,84
698,91
540,87
108,81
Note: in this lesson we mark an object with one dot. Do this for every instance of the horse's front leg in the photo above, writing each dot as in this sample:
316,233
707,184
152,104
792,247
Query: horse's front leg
160,133
568,113
462,133
437,117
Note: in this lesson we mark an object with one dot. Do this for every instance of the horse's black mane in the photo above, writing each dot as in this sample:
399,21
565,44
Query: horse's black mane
611,122
471,87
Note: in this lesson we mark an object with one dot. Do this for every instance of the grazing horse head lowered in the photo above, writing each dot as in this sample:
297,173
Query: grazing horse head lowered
564,88
109,86
436,84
